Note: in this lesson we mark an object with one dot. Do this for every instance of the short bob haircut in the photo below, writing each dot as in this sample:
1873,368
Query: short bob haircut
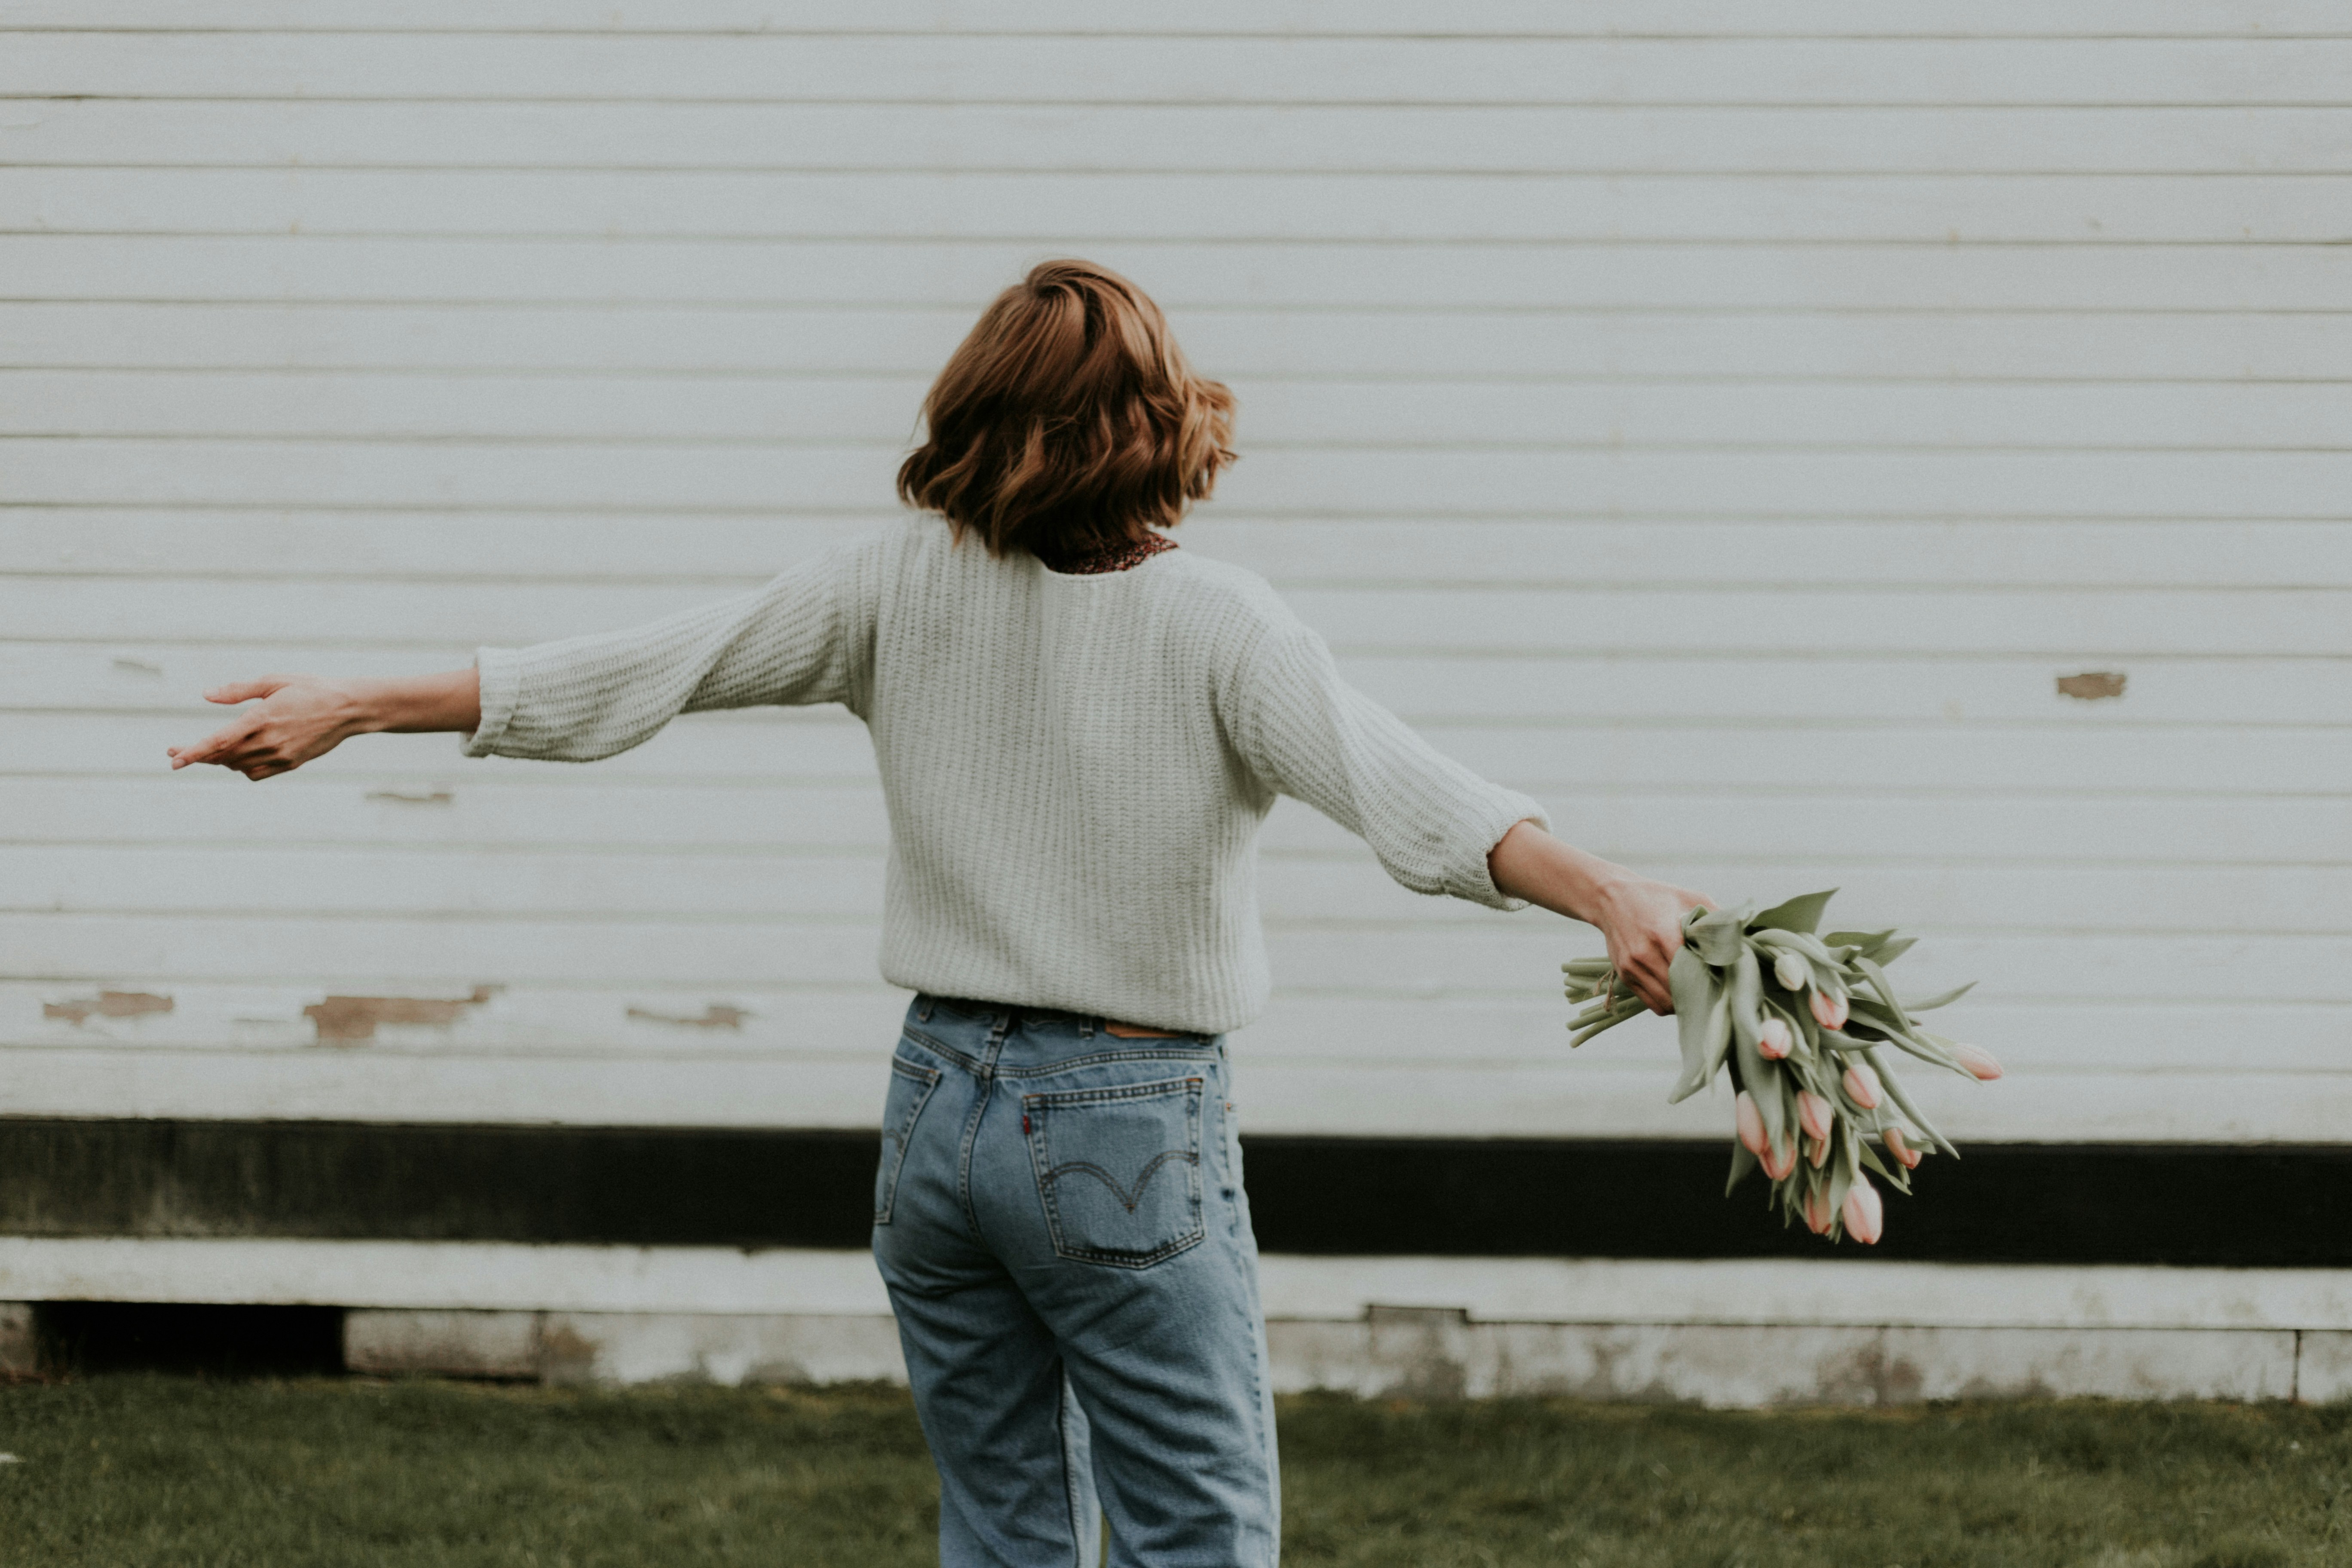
1069,421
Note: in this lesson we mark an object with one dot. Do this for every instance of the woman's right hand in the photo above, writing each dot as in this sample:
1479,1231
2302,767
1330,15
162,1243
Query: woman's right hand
301,717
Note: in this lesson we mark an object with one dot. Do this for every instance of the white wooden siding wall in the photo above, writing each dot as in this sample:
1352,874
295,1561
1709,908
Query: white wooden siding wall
1726,423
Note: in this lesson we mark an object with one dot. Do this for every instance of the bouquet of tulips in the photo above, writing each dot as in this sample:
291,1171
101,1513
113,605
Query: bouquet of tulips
1804,1024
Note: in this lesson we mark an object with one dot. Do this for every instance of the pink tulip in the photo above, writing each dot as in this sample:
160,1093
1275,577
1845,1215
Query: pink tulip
1861,1085
1777,1160
1815,1112
1865,1217
1979,1061
1830,1009
1902,1150
1817,1150
1817,1211
1774,1041
1750,1122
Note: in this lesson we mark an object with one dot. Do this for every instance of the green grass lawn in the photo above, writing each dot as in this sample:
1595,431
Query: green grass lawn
140,1468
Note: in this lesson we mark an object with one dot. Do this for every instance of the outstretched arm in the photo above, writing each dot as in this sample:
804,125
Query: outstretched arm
1642,919
1435,826
304,716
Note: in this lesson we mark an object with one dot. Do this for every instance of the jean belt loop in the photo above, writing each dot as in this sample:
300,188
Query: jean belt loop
923,1000
1088,1023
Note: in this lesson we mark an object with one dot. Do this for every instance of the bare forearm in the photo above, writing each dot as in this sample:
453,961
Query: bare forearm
413,704
1530,864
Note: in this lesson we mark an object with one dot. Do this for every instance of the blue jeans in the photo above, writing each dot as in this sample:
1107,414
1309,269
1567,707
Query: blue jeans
1060,1220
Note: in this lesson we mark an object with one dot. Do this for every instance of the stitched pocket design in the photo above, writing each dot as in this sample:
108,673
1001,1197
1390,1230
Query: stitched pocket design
910,1087
1119,1170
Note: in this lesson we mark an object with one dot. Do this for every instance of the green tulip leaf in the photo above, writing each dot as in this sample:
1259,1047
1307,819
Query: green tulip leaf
1895,1175
1903,1103
1801,913
1945,1000
1742,1162
1716,936
1692,987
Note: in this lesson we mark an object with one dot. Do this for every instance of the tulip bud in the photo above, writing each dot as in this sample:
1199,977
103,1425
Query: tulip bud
1817,1211
1830,1009
1861,1085
1750,1122
1865,1217
1815,1112
1979,1061
1777,1160
1774,1041
1902,1150
1791,971
1817,1150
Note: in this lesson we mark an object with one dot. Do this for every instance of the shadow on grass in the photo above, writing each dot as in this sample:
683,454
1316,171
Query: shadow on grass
132,1469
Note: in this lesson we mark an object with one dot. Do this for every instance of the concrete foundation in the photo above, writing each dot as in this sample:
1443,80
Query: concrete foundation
2324,1367
1420,1352
20,1349
729,1348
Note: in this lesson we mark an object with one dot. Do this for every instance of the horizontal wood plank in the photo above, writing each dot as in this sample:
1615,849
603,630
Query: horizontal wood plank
720,552
651,1024
2007,346
1728,619
1719,820
1177,137
816,883
1764,753
1553,1100
1174,69
2285,19
282,274
1827,482
2103,209
1431,960
158,679
1281,411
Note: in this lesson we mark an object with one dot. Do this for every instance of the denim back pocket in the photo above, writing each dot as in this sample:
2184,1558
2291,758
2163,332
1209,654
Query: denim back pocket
910,1086
1119,1170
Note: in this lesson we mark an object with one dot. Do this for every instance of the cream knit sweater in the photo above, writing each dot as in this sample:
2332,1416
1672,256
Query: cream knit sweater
1075,766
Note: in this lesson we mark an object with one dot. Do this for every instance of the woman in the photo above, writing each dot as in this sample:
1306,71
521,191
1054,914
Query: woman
1079,728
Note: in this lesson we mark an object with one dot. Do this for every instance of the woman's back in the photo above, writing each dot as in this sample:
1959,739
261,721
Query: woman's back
1075,765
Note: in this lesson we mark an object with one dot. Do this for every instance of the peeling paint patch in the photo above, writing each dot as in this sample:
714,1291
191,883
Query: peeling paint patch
717,1015
414,797
137,666
106,1004
2092,685
346,1020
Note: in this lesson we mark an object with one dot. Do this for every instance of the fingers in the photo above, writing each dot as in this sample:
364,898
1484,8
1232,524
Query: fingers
217,747
246,690
243,748
1644,968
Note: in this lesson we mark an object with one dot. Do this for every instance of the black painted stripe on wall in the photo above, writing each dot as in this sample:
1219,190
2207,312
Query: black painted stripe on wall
2271,1206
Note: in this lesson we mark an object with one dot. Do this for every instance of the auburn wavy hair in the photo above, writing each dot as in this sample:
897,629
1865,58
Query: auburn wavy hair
1069,421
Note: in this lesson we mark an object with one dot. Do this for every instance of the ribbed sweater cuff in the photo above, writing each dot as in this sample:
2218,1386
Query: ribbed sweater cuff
500,669
1506,810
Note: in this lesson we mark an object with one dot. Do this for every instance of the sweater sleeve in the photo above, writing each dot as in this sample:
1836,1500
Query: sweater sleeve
803,638
1308,733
